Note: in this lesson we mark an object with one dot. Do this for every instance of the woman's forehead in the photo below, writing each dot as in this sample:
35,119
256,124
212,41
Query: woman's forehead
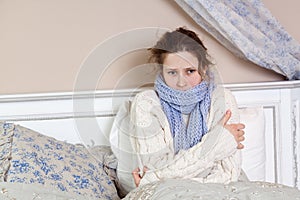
184,58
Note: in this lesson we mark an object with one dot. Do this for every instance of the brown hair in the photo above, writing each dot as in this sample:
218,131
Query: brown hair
181,39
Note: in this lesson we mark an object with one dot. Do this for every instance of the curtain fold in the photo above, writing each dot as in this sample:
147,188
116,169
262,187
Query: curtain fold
248,30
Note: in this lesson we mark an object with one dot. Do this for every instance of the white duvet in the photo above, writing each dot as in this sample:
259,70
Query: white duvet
188,189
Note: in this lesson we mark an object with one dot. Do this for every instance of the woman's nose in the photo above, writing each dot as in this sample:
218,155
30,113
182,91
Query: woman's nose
181,82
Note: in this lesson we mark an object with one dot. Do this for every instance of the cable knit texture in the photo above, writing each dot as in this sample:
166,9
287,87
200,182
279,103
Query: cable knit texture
194,102
143,126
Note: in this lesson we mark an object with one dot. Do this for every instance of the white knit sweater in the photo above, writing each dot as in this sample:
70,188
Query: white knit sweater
141,136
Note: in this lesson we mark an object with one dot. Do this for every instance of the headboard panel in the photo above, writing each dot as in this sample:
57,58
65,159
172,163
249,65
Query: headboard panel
280,101
65,115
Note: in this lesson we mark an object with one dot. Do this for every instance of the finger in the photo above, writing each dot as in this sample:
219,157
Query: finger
241,133
144,170
136,170
242,138
240,126
137,181
226,117
136,177
240,146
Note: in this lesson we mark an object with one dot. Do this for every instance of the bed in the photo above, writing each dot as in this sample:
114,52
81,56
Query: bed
55,146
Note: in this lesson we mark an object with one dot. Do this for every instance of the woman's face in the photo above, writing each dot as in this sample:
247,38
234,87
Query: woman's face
180,70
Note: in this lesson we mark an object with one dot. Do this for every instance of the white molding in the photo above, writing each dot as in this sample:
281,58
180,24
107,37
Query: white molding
46,106
263,85
56,96
296,141
294,131
271,135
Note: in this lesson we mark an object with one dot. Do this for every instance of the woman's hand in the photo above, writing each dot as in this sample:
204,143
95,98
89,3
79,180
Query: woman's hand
137,176
235,129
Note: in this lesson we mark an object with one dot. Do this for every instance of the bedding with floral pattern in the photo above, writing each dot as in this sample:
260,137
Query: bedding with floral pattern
28,157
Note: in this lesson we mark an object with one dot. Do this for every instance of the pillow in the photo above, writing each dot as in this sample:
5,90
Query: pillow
39,159
254,152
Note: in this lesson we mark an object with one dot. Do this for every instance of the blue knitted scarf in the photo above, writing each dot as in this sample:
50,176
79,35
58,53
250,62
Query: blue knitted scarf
194,102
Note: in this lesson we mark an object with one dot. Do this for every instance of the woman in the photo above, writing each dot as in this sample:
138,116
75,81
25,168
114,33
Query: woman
187,127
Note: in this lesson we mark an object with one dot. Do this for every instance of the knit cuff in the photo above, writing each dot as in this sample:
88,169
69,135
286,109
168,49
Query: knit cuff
148,177
227,145
218,144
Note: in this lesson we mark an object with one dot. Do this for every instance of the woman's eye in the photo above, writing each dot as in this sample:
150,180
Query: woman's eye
191,71
172,72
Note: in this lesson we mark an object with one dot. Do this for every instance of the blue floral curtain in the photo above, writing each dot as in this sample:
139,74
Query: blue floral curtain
249,30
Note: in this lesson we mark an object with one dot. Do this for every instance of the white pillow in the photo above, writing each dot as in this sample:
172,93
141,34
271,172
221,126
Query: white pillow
254,153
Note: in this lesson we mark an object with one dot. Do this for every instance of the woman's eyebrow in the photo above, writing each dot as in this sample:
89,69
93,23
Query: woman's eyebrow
170,68
191,67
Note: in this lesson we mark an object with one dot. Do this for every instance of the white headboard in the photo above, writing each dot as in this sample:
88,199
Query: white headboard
281,104
86,118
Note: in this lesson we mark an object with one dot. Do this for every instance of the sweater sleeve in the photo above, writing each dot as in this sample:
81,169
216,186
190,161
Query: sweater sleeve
213,159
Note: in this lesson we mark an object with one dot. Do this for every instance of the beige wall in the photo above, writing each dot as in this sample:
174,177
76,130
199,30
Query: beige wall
43,43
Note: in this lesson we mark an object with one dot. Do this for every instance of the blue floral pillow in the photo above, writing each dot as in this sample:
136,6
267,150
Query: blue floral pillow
36,158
